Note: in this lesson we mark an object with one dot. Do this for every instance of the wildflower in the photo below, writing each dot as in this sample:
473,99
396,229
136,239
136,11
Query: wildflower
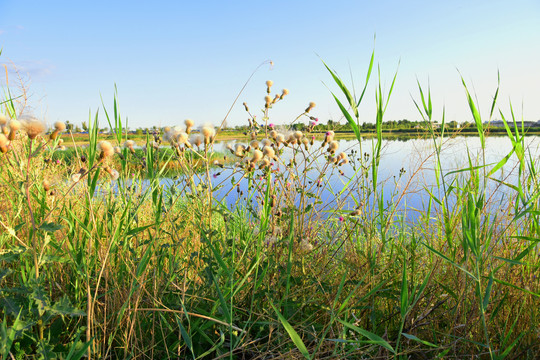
268,101
269,151
341,219
3,119
59,126
14,125
271,125
333,146
189,124
269,84
297,135
257,155
106,149
76,177
130,145
328,138
4,142
215,175
196,140
284,93
246,107
280,139
305,141
264,163
208,132
310,106
264,142
239,150
117,150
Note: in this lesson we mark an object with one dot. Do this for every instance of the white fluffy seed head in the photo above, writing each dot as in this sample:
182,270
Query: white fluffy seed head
15,125
257,155
189,124
298,135
280,138
182,138
59,126
333,146
269,151
34,128
106,149
254,144
208,132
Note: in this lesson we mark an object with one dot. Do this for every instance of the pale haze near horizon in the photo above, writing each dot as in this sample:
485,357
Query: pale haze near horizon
177,60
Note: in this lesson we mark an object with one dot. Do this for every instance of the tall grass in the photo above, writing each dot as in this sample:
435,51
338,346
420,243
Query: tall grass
101,260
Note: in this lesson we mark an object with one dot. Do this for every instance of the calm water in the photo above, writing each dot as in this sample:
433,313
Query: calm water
407,171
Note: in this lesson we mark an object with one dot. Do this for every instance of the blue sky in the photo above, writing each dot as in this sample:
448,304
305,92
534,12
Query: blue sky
173,60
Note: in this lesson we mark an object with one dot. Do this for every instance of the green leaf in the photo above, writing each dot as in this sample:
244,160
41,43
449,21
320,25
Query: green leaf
63,307
412,337
50,227
292,333
375,339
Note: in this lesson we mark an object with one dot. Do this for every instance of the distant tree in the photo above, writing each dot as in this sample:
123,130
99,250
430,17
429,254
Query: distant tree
85,126
69,126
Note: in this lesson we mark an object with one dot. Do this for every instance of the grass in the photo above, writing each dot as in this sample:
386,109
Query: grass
140,270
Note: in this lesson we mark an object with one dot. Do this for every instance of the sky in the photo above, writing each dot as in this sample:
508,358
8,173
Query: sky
172,60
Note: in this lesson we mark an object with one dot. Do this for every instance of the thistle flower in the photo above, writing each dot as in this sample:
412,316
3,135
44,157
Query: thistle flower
4,142
246,107
269,84
189,124
208,132
76,177
333,146
268,101
59,126
265,142
305,141
257,155
254,144
106,149
273,134
328,138
34,127
217,163
3,119
310,106
280,139
14,125
239,150
298,135
196,140
130,145
269,151
284,92
264,163
230,148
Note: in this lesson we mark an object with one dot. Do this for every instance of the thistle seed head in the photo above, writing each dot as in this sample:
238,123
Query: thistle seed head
189,124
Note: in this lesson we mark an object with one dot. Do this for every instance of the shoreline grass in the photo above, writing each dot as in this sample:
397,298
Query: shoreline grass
150,271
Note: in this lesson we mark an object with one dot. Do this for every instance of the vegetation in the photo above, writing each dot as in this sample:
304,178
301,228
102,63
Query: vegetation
100,259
